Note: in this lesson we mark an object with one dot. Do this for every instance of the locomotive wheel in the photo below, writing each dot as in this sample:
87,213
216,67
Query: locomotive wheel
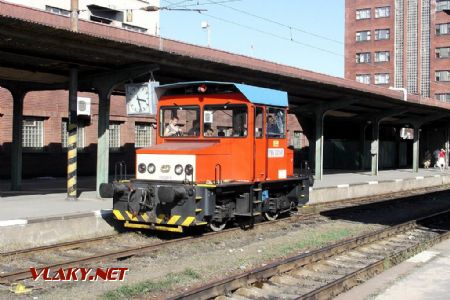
215,226
269,216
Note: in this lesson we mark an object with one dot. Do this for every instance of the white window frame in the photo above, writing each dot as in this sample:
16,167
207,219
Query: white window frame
382,78
443,29
442,75
382,12
363,13
442,5
114,141
32,126
143,128
444,97
378,31
363,78
382,54
359,34
363,57
441,50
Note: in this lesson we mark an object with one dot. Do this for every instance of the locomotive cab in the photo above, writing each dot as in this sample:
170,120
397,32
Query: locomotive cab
221,155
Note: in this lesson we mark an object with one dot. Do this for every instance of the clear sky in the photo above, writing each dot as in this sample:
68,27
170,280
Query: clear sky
234,29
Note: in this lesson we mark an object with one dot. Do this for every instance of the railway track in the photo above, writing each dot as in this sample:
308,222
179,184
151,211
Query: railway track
82,252
327,272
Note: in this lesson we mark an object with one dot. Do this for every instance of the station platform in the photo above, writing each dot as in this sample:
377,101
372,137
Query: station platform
340,185
40,213
423,276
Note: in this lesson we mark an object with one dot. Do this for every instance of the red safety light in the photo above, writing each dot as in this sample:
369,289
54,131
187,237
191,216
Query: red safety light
202,88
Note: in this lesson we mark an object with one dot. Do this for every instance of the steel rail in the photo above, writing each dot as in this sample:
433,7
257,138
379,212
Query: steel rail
63,245
154,247
262,274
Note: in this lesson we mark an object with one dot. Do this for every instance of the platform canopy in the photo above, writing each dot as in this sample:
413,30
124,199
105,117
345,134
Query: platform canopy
38,48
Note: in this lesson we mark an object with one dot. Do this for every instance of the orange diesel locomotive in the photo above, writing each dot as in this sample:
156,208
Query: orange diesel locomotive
221,155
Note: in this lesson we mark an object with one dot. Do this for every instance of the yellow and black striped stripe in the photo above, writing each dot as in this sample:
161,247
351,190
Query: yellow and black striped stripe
176,220
72,161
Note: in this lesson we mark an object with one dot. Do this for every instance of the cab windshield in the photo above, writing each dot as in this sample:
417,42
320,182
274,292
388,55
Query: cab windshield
180,121
225,121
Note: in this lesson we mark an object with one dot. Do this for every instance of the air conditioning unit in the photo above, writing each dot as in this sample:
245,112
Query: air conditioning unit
208,116
83,106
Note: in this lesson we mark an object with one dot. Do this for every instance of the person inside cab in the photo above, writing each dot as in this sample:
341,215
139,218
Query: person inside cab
272,127
172,129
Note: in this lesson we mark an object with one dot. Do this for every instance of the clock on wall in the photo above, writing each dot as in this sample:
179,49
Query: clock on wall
141,98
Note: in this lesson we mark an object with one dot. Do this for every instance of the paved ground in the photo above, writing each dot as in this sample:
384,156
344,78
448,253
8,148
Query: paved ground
344,177
44,197
422,277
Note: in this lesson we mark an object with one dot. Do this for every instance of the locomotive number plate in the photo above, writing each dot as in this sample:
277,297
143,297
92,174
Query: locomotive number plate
275,152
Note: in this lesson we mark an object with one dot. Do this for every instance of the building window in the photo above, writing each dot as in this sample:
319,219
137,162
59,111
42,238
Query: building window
382,12
297,140
442,75
381,34
134,28
363,78
382,78
65,135
363,36
442,5
442,29
143,135
363,57
58,11
363,14
444,97
114,136
33,133
381,56
443,52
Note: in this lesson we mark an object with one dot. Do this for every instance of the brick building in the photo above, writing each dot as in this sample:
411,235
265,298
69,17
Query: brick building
399,43
45,136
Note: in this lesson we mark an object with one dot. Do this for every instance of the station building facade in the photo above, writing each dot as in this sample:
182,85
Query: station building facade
399,43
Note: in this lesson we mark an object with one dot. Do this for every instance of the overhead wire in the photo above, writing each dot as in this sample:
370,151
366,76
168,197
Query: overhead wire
290,38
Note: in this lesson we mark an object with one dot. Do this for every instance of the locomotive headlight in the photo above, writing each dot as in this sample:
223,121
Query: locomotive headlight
142,168
189,169
178,169
151,168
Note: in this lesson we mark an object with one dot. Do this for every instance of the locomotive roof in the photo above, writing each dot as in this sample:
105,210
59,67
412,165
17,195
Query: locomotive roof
254,94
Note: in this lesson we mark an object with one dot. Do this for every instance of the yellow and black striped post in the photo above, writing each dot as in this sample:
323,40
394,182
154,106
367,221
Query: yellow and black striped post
72,161
72,137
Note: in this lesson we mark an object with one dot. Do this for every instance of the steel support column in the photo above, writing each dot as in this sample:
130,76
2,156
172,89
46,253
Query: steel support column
104,84
16,148
318,166
362,145
72,131
374,146
416,149
103,137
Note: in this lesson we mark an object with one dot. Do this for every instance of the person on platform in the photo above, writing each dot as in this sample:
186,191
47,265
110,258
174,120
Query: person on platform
441,160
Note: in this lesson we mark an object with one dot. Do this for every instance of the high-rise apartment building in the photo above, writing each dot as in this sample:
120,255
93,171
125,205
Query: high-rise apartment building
399,43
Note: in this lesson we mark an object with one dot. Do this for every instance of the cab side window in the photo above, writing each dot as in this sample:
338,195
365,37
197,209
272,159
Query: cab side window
275,123
259,125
